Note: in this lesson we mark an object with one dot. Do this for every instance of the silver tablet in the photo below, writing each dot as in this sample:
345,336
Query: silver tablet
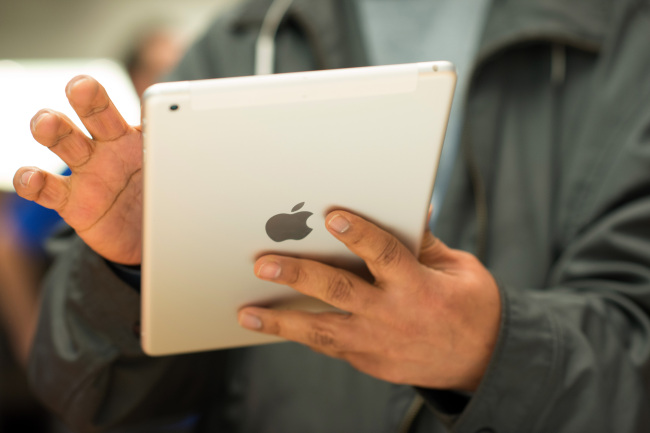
238,167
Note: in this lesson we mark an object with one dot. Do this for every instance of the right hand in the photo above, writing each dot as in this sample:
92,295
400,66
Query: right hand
102,198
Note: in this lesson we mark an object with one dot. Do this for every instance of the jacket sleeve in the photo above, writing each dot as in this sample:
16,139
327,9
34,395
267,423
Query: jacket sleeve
576,357
87,348
574,354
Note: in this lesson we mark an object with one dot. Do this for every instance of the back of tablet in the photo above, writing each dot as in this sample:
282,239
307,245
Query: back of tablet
238,167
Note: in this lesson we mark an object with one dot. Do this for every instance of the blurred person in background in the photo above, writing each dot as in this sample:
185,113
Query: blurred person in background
153,56
550,199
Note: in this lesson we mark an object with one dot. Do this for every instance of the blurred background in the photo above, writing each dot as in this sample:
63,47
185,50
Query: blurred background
146,37
94,28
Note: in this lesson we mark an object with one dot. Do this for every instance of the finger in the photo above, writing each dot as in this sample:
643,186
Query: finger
95,109
387,258
337,287
47,189
433,252
59,134
329,333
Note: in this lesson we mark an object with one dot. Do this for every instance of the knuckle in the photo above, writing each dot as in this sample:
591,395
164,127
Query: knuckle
296,275
272,327
356,238
92,111
59,137
321,337
390,254
339,288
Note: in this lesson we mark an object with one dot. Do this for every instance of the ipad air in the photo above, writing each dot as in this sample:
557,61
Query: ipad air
235,168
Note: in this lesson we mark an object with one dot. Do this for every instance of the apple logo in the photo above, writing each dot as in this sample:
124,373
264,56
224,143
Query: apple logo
285,226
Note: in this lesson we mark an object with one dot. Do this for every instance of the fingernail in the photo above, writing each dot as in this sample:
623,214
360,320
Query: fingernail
269,271
73,83
38,119
249,321
26,177
339,224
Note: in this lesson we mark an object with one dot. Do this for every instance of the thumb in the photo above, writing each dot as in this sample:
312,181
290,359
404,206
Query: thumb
433,251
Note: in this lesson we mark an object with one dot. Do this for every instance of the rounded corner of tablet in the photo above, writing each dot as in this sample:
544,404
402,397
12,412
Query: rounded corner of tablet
162,89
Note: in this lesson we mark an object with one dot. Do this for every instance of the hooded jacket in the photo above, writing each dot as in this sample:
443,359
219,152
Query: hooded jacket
552,192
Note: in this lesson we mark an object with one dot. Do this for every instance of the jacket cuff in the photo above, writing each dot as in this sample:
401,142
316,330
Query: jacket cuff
131,275
447,406
527,347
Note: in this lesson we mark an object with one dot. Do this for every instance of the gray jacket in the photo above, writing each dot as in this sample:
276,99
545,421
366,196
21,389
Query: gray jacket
552,192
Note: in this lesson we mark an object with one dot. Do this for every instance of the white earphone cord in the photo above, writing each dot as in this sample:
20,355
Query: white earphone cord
265,45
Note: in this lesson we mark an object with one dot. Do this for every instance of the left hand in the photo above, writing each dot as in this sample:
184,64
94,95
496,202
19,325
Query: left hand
430,321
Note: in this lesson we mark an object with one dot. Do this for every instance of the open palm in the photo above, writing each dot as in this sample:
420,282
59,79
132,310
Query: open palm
102,198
